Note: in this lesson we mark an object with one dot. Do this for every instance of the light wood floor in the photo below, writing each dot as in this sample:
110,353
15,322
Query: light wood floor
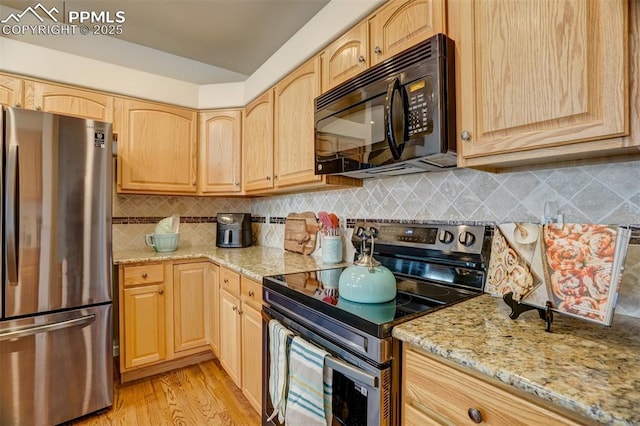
202,394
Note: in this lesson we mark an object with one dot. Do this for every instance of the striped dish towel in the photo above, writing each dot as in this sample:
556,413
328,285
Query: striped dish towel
278,367
310,385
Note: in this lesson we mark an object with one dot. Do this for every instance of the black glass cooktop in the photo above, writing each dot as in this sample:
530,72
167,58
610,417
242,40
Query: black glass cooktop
319,290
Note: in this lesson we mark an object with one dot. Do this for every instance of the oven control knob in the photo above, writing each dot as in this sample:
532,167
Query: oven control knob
445,237
467,239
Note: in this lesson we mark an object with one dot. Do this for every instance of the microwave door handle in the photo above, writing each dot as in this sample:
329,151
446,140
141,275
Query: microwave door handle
395,88
11,216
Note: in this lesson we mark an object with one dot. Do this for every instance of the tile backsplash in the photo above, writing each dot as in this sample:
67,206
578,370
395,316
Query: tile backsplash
197,225
606,193
162,206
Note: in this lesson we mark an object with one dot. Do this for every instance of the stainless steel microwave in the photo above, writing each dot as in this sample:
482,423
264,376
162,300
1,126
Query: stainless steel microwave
397,117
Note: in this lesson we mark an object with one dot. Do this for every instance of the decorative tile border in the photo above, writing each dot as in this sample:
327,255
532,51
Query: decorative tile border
153,220
352,221
183,219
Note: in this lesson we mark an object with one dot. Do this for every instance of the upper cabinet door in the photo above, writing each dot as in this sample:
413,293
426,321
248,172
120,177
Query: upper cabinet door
294,125
401,24
219,152
11,91
69,101
156,148
346,57
537,77
257,144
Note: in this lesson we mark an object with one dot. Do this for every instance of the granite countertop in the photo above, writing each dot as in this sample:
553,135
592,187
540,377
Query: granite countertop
255,262
590,369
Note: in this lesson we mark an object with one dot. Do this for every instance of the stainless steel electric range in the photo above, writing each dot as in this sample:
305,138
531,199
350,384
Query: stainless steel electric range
435,266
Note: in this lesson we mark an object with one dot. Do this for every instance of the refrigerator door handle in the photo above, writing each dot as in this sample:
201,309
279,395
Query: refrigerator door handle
11,215
24,332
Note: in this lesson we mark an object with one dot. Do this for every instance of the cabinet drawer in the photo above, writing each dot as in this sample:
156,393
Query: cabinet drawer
143,274
251,291
448,395
230,281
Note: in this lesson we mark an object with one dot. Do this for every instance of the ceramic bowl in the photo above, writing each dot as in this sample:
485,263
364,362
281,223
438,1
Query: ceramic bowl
163,242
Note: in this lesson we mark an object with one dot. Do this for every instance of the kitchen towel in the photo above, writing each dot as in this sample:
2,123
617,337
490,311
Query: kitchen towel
310,385
278,338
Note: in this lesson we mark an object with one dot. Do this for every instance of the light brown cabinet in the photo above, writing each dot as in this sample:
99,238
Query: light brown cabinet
400,24
157,148
145,325
165,316
213,297
11,91
528,93
241,333
143,315
257,144
219,160
68,100
288,164
396,26
436,393
190,307
294,126
251,296
230,327
346,57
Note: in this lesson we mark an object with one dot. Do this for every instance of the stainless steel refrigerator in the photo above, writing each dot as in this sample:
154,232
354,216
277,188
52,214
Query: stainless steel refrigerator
56,360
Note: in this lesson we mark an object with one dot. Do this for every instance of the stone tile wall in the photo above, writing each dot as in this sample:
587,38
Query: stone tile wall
137,215
608,193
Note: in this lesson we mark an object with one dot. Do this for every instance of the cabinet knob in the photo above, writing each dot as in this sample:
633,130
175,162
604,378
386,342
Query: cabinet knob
377,50
239,312
226,281
38,108
237,182
361,59
251,293
235,308
268,177
465,136
161,292
475,415
144,275
17,105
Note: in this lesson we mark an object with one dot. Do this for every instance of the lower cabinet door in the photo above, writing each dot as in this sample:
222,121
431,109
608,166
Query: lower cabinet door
230,336
252,356
144,325
190,306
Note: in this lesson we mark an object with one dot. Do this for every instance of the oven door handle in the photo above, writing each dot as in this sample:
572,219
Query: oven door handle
340,366
349,370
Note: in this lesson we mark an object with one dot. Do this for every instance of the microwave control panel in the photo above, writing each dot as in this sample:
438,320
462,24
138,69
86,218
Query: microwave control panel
420,99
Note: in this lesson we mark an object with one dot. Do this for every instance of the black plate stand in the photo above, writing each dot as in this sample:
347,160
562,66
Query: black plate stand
518,308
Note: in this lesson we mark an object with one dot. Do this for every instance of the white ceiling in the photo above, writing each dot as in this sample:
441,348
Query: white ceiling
202,42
